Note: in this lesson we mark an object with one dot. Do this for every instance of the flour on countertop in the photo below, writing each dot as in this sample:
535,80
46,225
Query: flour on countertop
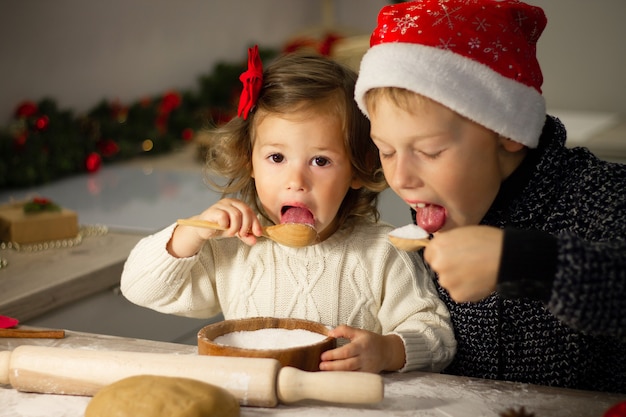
21,404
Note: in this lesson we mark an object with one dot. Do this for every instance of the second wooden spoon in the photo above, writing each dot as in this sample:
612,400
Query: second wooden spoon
409,238
296,235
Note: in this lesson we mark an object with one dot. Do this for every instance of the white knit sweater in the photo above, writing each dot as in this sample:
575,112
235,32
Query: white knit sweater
355,277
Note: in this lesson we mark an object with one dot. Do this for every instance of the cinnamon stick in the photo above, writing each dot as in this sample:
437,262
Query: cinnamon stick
32,334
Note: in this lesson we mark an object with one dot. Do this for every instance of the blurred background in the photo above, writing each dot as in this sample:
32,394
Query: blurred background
80,52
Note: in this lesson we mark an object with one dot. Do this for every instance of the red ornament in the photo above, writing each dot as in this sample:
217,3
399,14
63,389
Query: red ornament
41,200
26,109
187,134
220,116
171,101
42,123
326,46
617,410
300,43
108,147
20,139
93,162
118,111
161,122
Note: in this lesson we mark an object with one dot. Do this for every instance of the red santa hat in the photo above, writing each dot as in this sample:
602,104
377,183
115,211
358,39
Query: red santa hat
476,57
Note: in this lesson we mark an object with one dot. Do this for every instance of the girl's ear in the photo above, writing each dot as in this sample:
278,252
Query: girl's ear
510,145
356,183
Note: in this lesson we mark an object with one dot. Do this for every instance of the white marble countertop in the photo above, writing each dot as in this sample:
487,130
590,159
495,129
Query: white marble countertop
408,394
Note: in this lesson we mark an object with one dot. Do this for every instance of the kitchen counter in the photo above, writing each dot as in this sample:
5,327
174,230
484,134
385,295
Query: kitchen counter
408,394
34,283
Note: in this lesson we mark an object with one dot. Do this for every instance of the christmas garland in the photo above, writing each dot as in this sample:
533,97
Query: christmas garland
43,143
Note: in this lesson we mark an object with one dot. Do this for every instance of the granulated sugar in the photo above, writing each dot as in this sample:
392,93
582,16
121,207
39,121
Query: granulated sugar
410,231
269,338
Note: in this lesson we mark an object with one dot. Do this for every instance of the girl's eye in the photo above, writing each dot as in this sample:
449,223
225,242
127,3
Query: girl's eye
320,161
276,157
385,155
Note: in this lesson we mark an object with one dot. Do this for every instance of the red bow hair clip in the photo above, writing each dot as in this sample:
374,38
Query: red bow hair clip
252,80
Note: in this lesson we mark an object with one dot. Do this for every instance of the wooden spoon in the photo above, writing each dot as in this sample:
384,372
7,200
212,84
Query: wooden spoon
296,235
409,238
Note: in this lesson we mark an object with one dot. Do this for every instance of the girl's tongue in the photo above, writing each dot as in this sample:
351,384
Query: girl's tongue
430,218
297,215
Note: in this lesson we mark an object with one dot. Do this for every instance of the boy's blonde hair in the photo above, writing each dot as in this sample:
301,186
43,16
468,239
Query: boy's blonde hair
401,97
292,83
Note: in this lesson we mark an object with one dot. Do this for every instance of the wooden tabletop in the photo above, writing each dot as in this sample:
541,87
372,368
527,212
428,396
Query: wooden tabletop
33,283
407,394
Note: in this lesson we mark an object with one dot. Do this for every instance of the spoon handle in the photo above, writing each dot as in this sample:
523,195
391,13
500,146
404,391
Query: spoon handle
289,234
200,223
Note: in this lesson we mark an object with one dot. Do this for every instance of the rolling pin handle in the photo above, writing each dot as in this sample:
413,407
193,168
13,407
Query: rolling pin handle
331,386
5,356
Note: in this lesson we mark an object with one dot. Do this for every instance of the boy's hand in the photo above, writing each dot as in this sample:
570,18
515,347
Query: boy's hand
467,260
366,352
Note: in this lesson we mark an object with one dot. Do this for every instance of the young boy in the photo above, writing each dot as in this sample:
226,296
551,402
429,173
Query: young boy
529,245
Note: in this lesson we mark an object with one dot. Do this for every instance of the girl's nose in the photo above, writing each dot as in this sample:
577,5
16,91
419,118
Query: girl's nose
296,179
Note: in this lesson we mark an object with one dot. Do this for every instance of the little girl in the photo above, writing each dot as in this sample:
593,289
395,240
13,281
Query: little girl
299,151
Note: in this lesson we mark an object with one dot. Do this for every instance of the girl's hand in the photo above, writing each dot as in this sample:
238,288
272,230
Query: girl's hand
366,352
467,260
234,215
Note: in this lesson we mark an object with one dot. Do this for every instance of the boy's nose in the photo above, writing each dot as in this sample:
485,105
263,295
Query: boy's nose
404,174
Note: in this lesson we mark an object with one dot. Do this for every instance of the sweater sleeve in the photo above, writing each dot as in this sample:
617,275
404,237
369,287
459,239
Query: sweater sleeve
527,264
155,279
583,283
589,291
412,310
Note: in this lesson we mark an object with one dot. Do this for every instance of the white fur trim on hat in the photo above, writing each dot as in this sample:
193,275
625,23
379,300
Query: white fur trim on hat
509,108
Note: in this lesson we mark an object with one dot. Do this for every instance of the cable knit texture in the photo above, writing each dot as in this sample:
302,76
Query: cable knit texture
578,339
355,277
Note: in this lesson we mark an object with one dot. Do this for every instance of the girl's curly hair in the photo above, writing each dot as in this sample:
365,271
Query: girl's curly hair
298,82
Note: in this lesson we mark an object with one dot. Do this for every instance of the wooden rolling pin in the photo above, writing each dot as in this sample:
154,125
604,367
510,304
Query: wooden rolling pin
253,381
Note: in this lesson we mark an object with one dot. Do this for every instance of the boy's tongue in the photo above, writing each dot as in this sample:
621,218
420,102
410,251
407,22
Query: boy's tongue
430,218
297,215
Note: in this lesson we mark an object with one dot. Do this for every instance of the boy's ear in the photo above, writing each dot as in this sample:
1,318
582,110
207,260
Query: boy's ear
510,145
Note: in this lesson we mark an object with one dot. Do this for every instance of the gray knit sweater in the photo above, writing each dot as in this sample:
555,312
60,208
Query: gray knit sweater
559,315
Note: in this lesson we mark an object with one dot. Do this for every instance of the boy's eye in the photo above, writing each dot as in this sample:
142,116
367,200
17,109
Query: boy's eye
431,155
276,157
320,161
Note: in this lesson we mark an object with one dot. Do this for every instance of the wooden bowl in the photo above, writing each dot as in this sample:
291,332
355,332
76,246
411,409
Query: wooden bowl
305,357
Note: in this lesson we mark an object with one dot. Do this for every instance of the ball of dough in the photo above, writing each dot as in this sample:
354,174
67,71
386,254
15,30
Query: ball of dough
161,396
